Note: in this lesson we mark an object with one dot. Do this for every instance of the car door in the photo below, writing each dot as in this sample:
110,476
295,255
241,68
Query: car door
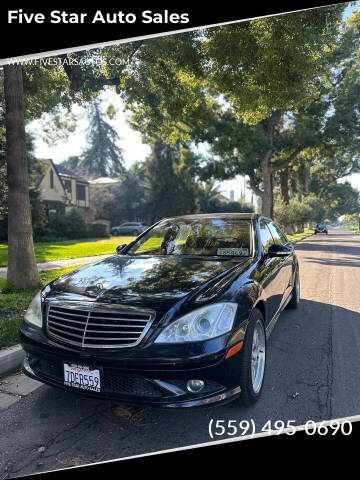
269,269
285,266
124,229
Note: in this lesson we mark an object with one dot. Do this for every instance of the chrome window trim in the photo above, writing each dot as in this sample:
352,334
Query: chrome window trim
96,307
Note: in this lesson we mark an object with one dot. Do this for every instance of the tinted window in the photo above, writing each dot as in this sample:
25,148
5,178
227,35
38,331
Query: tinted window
265,235
80,192
278,236
205,237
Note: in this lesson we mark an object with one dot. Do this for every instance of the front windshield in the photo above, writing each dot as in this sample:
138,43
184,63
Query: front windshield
203,237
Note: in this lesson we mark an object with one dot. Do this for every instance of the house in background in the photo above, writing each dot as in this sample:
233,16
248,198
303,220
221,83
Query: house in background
62,190
104,189
75,186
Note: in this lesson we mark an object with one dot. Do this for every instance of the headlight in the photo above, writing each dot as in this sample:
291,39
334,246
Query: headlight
202,324
33,313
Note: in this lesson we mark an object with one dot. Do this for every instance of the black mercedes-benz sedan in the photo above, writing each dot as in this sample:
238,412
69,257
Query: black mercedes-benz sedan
178,318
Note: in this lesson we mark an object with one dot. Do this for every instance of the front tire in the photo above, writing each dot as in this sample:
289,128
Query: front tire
253,362
295,293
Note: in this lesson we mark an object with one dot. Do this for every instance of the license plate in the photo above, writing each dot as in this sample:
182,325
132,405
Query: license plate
82,377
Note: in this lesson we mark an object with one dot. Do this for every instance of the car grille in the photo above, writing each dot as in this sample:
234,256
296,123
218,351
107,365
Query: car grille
131,386
89,327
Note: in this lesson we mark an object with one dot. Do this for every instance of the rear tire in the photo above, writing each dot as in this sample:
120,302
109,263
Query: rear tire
253,362
295,293
135,233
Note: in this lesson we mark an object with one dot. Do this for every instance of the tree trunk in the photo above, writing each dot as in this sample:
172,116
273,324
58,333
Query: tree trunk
22,269
284,185
267,194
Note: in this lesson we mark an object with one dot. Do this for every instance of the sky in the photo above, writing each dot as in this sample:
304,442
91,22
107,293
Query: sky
130,141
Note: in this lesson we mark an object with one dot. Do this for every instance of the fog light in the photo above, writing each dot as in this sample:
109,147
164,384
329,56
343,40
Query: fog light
195,386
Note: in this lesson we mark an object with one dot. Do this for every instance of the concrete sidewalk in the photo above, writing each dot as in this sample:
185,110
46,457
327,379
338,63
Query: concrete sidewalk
69,262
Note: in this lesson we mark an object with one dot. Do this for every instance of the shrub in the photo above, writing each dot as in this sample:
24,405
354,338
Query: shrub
98,230
293,215
75,226
69,226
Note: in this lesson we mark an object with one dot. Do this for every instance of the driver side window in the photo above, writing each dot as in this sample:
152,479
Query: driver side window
265,235
278,236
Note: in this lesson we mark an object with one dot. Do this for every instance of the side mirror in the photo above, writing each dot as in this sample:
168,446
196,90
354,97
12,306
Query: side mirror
278,251
120,247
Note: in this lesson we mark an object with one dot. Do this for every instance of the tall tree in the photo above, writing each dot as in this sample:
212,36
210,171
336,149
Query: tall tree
206,192
22,269
124,202
103,157
170,193
30,91
3,182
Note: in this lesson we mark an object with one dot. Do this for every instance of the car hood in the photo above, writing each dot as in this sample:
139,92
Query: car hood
149,282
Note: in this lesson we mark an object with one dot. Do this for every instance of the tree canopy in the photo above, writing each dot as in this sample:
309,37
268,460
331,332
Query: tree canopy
260,93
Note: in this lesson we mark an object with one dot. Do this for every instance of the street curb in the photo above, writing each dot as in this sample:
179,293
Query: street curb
11,359
303,238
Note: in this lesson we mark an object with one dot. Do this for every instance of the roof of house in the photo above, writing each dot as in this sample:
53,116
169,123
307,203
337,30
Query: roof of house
105,180
65,172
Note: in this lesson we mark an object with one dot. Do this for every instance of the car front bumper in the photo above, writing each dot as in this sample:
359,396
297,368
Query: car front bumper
150,381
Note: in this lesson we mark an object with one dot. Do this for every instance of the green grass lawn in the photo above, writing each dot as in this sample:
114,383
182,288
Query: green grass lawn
354,229
47,251
297,236
13,304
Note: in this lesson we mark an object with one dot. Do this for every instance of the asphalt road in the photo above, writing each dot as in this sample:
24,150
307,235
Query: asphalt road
313,373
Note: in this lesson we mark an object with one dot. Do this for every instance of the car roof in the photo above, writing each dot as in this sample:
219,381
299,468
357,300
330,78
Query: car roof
199,216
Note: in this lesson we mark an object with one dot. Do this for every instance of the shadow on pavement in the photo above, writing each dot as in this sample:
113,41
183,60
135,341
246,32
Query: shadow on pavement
333,248
337,262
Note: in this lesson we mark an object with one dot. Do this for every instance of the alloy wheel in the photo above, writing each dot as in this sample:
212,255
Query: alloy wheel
258,356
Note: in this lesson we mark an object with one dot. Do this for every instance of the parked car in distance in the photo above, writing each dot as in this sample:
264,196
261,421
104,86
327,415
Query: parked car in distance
129,228
321,228
178,318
